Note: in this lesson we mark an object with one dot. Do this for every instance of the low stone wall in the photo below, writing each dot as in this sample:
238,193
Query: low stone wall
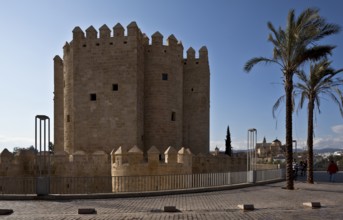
122,169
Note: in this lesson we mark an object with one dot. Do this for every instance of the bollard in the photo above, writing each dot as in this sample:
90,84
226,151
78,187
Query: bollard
170,209
87,211
6,211
246,207
314,205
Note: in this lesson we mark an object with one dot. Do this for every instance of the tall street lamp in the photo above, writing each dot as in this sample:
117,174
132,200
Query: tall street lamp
251,149
42,142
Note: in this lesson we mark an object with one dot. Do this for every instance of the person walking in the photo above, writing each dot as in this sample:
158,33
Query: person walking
332,170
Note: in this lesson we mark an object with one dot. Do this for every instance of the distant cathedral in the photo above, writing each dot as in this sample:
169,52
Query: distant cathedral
273,149
116,90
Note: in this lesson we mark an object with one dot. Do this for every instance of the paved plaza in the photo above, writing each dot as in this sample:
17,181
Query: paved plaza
270,202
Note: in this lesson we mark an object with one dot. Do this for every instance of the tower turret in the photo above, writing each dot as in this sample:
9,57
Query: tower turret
58,104
196,98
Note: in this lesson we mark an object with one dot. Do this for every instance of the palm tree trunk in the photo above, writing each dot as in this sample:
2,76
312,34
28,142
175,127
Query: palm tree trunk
310,141
289,138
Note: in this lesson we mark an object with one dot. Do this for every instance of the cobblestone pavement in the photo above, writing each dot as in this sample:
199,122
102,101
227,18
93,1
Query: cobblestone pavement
270,201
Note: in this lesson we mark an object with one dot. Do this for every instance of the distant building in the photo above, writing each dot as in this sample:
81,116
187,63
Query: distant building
269,150
338,153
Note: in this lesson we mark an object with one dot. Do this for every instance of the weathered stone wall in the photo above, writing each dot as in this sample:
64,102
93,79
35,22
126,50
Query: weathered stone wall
131,172
121,162
58,104
217,164
119,90
103,100
22,164
80,164
163,93
196,101
124,170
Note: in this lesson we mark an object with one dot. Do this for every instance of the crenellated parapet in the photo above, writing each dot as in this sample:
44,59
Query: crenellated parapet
176,162
118,33
122,161
83,38
191,58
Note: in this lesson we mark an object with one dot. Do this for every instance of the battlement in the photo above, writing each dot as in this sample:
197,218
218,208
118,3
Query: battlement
122,161
131,162
202,56
118,32
105,37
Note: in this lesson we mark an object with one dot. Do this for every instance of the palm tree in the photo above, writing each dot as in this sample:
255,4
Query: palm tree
292,48
321,81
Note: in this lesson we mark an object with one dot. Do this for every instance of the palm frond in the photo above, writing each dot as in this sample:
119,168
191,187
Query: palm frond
338,100
315,53
326,30
277,104
252,62
303,97
317,103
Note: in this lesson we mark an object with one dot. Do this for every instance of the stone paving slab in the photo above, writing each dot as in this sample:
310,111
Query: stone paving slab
270,202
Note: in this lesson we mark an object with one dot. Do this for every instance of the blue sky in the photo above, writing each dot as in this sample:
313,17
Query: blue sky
234,31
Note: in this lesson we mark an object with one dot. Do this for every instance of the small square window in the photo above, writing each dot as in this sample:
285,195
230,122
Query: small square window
173,117
93,97
164,76
115,87
68,118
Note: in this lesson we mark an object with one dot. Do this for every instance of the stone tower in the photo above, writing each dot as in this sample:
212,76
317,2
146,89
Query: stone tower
116,90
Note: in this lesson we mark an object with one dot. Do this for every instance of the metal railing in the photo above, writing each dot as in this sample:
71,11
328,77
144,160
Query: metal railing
17,185
119,184
265,175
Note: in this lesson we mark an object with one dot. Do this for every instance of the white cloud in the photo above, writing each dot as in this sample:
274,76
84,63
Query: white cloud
219,144
236,145
11,142
328,141
338,129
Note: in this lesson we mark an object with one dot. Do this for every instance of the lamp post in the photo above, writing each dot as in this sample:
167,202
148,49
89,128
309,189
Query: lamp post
251,149
42,141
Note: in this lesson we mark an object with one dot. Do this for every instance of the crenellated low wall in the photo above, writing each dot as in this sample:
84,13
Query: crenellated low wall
122,170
